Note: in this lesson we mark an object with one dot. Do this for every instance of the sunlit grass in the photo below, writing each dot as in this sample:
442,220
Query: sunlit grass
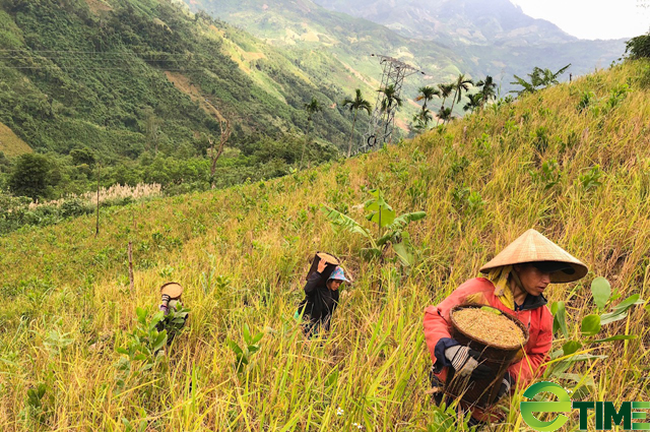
242,255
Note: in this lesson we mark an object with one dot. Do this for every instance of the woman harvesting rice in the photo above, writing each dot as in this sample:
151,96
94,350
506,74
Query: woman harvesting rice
516,280
321,298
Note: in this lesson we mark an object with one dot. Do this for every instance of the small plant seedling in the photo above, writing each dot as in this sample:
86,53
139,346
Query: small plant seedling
244,353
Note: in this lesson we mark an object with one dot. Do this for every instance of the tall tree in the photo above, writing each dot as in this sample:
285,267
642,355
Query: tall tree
356,104
390,98
488,89
445,92
215,153
444,114
539,78
426,94
389,101
421,120
475,101
460,85
32,176
312,107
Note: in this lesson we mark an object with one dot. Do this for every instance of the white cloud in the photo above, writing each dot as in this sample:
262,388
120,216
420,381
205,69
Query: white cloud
593,19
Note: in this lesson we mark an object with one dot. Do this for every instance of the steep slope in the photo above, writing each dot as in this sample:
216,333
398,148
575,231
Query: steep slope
441,37
576,168
93,73
468,21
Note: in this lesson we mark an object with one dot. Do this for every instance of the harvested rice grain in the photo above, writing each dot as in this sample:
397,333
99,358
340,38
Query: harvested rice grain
489,326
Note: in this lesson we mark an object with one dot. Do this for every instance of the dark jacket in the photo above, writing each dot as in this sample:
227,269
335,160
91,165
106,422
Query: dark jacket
320,302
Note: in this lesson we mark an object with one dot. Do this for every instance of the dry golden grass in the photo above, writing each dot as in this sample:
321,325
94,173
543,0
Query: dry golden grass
10,144
242,254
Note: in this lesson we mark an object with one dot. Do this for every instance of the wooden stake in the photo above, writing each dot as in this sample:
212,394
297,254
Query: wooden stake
132,283
98,177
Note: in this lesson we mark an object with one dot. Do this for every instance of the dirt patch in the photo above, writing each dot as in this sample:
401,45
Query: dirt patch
183,83
253,56
10,144
98,6
217,30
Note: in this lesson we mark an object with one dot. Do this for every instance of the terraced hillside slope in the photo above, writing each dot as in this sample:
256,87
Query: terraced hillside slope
572,161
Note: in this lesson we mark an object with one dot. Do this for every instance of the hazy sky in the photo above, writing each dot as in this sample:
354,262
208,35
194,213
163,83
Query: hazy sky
592,19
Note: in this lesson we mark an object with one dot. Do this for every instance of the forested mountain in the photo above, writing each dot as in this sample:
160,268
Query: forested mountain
441,37
465,21
124,76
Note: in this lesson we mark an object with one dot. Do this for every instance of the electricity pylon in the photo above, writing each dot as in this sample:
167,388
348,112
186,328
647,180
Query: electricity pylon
382,122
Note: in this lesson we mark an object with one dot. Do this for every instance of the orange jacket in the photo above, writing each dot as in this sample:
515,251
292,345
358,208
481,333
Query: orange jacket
536,317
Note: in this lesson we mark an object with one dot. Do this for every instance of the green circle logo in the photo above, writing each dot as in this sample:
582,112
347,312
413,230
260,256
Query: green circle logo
563,404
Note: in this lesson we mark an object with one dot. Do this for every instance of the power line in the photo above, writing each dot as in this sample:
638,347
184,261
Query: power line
95,68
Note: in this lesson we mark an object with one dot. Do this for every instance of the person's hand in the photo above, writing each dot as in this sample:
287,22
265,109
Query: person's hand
466,361
506,384
321,266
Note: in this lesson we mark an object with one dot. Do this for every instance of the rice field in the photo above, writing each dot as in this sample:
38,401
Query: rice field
580,175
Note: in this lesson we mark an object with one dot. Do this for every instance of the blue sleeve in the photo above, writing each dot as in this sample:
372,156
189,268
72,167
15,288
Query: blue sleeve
441,346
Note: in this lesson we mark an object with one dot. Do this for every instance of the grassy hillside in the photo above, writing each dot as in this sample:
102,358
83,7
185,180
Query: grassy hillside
10,144
572,161
95,74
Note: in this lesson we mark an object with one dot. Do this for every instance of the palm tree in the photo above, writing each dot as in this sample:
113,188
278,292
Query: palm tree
460,85
475,101
356,104
488,87
539,78
445,92
421,120
312,108
390,98
427,93
444,114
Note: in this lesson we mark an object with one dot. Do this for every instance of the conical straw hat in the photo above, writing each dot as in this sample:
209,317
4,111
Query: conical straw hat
532,246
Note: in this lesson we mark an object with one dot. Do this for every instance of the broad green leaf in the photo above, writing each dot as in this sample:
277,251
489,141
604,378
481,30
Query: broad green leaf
233,346
121,350
615,338
404,255
590,325
571,347
141,313
628,303
380,212
382,217
253,349
611,317
258,337
559,318
409,217
584,357
247,334
160,341
620,310
339,219
601,290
